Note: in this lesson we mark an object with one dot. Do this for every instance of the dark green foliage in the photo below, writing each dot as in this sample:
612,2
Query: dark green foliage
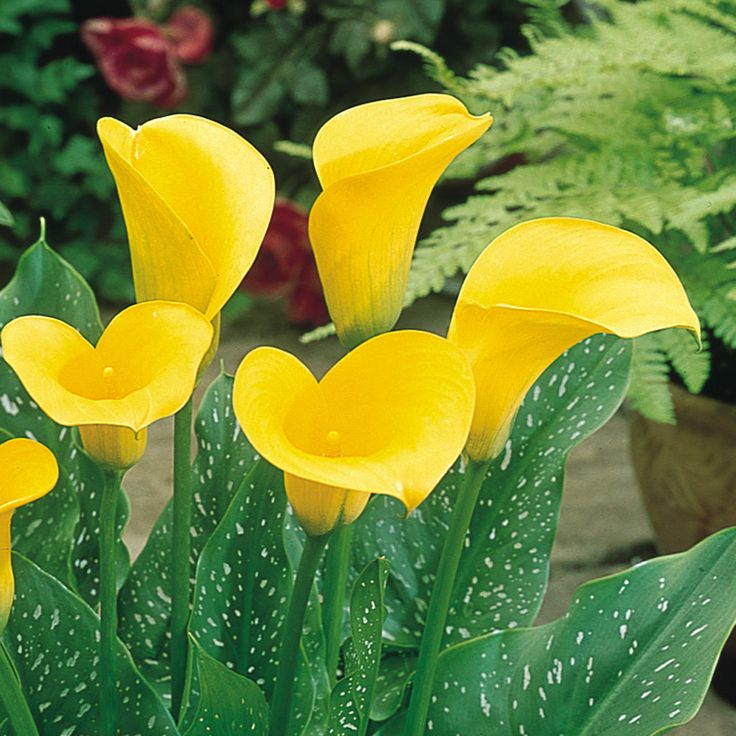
50,161
626,120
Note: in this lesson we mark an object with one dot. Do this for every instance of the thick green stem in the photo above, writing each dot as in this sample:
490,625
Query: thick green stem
108,601
13,700
421,692
181,551
283,692
335,586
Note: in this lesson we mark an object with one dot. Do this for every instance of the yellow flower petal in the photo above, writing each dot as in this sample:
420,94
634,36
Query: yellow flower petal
390,417
543,286
197,199
320,508
143,368
28,470
117,448
378,164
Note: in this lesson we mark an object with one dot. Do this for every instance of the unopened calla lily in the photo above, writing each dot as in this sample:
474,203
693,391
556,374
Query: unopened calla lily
377,164
197,199
28,470
143,369
390,418
543,286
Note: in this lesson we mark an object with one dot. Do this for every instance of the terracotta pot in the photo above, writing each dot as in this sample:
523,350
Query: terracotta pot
687,471
687,479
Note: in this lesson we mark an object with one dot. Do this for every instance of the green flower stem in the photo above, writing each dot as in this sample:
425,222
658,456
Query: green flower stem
108,601
283,692
13,700
181,551
335,585
439,605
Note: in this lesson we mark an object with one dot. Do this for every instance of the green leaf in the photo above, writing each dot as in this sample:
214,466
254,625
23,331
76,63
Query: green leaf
505,564
46,284
6,218
244,581
58,532
633,655
351,701
224,457
228,704
52,638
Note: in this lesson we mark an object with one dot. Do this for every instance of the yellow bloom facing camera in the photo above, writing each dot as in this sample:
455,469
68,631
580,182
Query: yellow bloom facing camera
143,368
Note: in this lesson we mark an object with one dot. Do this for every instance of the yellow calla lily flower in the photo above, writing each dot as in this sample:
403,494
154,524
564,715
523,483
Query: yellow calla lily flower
197,199
378,164
143,368
28,470
541,287
391,417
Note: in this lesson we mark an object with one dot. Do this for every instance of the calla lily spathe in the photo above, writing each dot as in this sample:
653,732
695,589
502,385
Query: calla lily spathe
391,417
378,164
197,199
540,288
143,368
28,470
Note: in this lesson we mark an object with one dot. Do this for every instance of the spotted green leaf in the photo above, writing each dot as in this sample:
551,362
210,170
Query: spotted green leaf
224,457
633,656
505,564
243,585
227,704
52,639
352,697
59,532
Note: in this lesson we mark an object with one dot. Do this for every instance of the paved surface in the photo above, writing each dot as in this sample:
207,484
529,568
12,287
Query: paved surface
602,522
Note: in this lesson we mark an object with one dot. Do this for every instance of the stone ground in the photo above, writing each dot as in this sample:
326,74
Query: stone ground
602,522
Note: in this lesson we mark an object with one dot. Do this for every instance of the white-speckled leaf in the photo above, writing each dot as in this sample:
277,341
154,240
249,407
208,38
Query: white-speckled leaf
224,457
633,656
504,569
226,704
59,532
244,580
392,682
352,697
52,638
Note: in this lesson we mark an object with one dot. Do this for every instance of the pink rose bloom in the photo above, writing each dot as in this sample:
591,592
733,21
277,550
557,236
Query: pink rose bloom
190,33
285,267
136,60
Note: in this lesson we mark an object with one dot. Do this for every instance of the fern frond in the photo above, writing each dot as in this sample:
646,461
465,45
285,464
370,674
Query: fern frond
692,364
291,148
434,65
649,391
711,287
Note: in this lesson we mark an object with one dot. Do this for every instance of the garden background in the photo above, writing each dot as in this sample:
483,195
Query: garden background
612,110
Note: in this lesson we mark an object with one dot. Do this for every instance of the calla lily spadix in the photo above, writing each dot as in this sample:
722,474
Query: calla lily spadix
543,286
377,164
391,417
28,470
143,368
197,199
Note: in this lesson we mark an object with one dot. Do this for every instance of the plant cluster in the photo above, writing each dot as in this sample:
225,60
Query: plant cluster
627,119
364,553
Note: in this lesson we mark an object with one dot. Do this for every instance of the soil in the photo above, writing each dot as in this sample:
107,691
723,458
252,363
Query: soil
603,527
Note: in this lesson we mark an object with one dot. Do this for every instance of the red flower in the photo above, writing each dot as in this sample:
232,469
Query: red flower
136,60
190,33
285,267
276,4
